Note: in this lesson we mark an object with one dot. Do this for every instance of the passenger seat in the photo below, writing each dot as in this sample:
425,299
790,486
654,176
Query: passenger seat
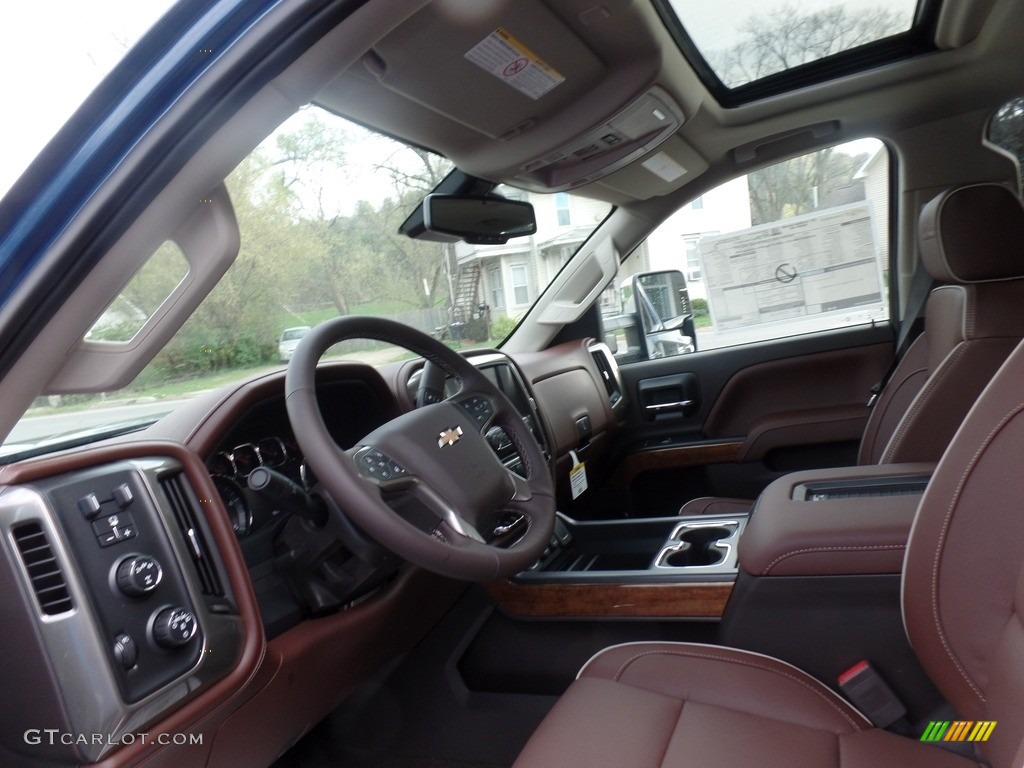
972,243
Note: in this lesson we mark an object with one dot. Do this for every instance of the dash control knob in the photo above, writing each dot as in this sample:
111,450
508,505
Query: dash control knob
174,627
138,575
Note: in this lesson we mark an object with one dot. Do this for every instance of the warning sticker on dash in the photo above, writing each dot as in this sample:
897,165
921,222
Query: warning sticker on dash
506,58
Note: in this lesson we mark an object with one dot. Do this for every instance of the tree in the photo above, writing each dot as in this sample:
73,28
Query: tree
801,185
787,37
310,242
778,40
345,250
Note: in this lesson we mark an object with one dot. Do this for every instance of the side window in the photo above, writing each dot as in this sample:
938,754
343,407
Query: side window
563,209
497,287
520,284
797,247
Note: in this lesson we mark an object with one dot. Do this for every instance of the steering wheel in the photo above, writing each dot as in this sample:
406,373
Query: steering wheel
475,519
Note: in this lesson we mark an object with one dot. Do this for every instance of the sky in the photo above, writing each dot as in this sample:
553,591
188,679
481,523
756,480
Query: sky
43,84
52,55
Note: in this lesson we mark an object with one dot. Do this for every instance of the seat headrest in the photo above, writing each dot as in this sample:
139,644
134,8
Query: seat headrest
973,234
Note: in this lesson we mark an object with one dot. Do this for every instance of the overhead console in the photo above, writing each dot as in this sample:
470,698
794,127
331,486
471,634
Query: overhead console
637,129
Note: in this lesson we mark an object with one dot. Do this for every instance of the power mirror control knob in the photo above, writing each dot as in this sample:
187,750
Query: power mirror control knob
138,575
174,628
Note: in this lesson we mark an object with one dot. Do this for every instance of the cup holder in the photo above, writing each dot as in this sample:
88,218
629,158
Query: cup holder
701,545
696,547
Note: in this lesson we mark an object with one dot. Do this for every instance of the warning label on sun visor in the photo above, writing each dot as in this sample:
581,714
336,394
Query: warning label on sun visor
511,61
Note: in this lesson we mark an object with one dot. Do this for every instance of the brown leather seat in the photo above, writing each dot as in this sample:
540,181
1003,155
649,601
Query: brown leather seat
970,239
683,705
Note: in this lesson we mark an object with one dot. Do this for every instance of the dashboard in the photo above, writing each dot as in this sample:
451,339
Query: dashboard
162,588
263,437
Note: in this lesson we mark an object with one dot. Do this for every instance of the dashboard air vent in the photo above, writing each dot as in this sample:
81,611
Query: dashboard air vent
179,494
47,580
606,368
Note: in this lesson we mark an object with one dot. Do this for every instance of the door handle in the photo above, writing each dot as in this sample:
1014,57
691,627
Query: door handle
672,397
679,405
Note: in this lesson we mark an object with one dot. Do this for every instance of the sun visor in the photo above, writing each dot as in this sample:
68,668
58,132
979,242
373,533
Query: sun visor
123,340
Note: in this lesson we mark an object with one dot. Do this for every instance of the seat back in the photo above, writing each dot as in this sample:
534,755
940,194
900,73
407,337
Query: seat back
972,241
963,576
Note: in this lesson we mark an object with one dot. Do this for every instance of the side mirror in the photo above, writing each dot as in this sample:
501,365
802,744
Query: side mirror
663,309
478,220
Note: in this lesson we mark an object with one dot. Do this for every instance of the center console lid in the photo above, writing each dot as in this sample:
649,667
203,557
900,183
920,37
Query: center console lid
850,520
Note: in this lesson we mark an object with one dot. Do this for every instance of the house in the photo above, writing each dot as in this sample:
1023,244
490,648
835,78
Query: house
503,280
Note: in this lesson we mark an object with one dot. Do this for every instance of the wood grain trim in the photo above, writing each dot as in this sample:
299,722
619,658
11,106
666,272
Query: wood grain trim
678,456
694,600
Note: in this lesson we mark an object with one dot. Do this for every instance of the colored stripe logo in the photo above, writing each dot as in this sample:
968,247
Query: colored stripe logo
958,730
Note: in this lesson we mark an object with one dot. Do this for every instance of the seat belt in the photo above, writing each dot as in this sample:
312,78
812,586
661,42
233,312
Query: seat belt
921,285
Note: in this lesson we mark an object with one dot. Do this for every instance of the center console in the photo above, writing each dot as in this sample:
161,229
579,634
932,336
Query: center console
843,521
821,560
643,551
666,567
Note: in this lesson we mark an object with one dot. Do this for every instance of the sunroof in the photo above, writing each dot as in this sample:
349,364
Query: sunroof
743,42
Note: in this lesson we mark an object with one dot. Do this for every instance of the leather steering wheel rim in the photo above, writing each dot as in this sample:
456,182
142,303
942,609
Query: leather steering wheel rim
437,454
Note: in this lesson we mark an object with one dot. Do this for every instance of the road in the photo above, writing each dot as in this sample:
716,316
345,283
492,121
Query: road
33,428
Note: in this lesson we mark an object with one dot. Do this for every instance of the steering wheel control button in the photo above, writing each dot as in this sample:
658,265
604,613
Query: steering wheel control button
479,408
126,652
138,575
377,466
123,495
114,528
89,505
174,628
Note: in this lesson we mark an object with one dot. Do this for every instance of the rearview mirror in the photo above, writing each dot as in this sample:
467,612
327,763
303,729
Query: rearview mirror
478,220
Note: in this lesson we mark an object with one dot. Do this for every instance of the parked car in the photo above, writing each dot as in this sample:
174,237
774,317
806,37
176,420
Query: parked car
290,338
403,549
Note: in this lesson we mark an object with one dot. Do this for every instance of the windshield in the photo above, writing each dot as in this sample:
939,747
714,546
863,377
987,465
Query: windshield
318,205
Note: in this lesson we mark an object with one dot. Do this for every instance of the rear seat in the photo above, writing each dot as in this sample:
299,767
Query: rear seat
972,243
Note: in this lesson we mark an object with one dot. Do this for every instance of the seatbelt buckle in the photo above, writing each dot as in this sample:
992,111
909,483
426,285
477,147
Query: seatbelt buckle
873,394
867,691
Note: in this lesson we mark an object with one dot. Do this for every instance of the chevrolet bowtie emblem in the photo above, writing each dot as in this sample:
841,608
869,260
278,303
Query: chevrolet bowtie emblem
449,437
